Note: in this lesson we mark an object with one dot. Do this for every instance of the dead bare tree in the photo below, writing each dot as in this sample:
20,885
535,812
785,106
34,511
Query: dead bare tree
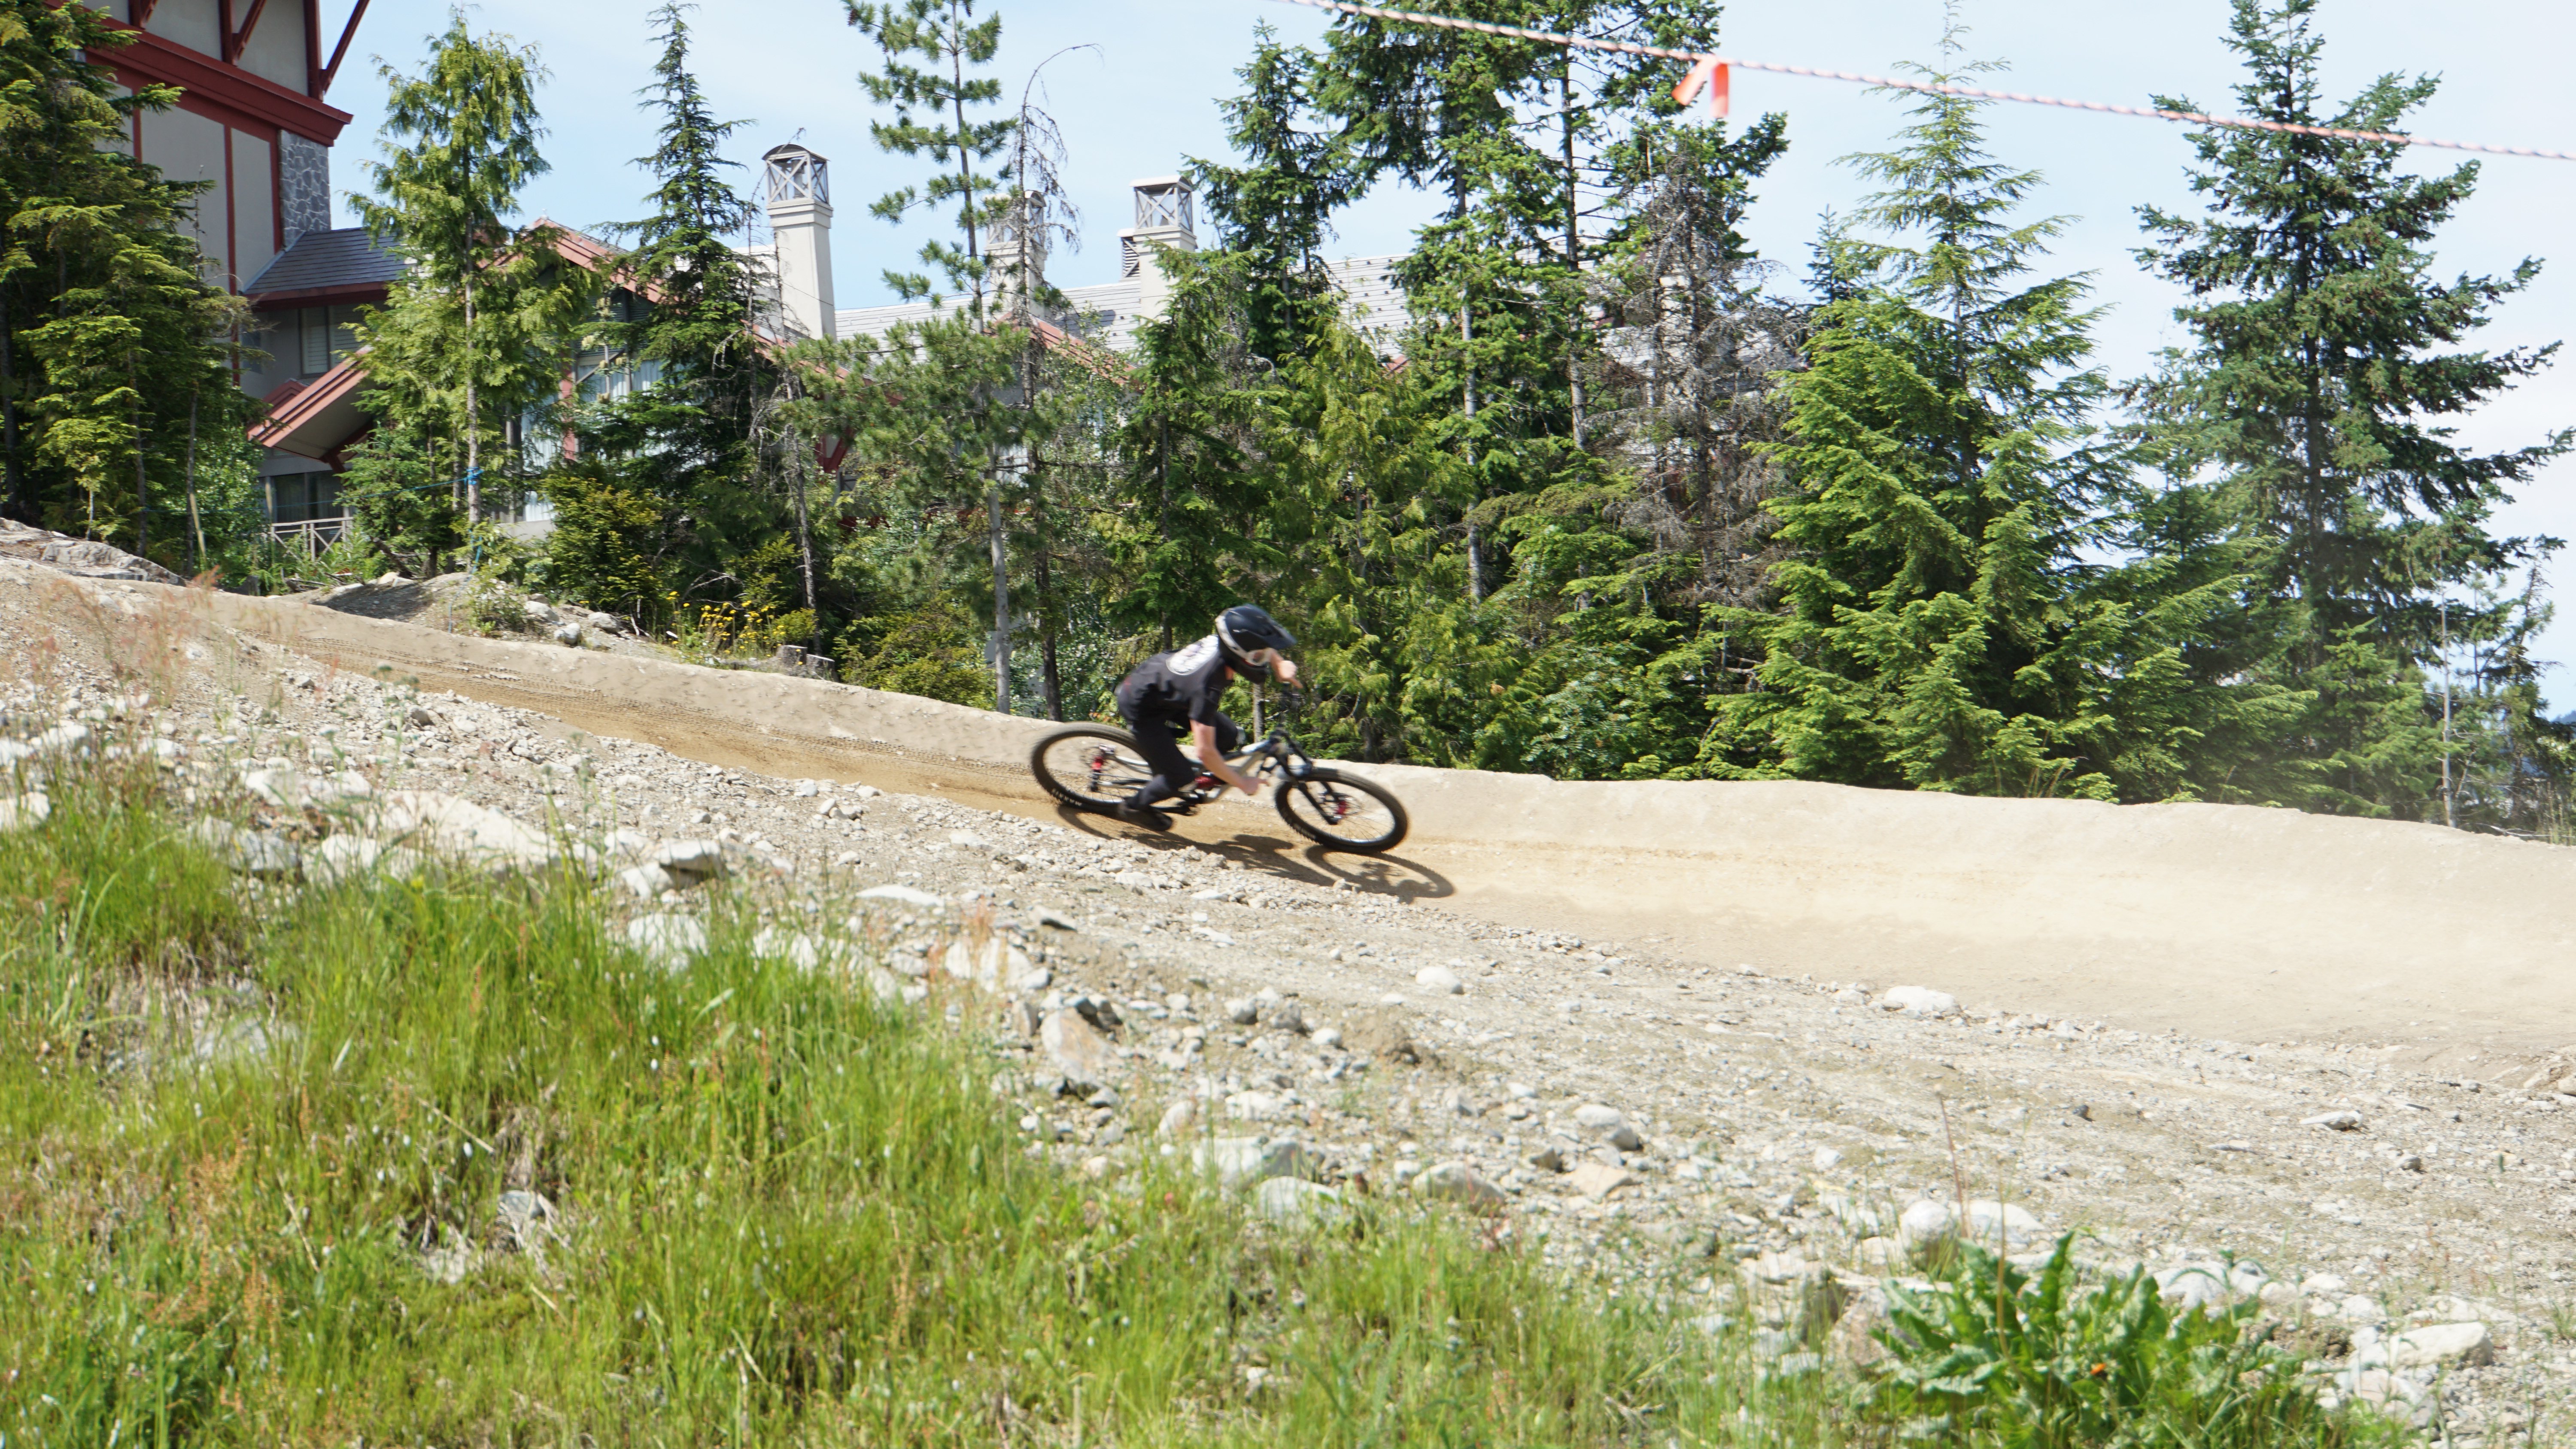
1686,382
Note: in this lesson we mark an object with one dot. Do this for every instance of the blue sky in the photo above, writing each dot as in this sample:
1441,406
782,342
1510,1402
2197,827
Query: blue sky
1146,96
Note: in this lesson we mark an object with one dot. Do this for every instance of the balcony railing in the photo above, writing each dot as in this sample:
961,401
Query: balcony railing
309,535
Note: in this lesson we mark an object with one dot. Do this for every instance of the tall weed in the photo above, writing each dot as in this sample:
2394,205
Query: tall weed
1992,1356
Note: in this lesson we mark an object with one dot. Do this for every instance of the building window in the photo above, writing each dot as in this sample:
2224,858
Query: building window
303,497
328,334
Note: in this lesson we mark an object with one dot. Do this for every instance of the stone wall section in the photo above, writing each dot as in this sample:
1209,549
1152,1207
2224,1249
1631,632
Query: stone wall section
304,184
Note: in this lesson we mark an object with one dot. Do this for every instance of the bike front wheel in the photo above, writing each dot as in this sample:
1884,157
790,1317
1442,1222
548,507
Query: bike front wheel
1343,811
1089,767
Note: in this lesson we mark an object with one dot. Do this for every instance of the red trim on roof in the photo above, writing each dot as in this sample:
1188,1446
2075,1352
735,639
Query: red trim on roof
259,103
239,40
340,52
197,104
308,400
232,216
1099,361
592,254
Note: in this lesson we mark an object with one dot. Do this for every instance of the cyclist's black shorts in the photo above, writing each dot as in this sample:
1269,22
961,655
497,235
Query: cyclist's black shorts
1158,739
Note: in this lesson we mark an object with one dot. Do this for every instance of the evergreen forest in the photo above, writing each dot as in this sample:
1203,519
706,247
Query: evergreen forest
1615,496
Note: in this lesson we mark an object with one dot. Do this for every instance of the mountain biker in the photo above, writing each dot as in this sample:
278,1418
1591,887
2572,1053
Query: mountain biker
1177,693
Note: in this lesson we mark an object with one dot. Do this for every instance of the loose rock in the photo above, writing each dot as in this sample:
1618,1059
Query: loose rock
441,824
1241,1161
647,882
1293,1199
1597,1180
341,858
1459,1183
1929,1222
24,812
667,941
1609,1124
2442,1345
1077,1050
689,860
248,851
1918,1001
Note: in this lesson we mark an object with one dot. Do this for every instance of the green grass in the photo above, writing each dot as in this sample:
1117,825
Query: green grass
786,1215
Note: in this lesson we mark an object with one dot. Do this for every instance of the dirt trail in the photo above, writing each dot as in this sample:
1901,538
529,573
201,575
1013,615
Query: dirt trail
2228,922
1786,1110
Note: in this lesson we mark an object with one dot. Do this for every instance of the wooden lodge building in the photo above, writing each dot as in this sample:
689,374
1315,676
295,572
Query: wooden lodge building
254,123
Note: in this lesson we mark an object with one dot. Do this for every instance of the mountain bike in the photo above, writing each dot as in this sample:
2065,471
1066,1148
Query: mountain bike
1094,768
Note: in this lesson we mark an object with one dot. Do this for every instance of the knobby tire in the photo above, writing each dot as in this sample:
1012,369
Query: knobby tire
1305,803
1059,762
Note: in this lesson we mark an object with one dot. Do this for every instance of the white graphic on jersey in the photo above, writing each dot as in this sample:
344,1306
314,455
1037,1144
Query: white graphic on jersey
1196,657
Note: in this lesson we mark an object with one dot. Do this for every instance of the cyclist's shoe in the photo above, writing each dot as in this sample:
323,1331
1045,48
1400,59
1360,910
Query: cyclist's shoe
1145,815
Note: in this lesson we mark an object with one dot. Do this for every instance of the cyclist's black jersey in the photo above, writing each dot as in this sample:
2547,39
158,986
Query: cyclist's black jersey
1188,683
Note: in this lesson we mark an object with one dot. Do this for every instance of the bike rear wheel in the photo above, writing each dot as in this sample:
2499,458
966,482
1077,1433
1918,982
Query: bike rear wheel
1088,766
1343,811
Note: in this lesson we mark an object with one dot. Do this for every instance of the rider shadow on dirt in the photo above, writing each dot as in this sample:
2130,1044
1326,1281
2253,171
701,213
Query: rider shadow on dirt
1314,865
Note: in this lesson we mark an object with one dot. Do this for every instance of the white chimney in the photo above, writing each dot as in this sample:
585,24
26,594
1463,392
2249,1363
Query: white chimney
798,187
1018,253
1163,219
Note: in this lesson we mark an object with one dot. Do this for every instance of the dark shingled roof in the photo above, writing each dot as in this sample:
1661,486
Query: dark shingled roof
323,259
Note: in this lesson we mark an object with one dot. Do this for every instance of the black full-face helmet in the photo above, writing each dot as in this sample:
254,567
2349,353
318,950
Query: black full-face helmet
1252,640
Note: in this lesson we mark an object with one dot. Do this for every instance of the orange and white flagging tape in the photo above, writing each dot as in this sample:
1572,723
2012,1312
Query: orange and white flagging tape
1708,74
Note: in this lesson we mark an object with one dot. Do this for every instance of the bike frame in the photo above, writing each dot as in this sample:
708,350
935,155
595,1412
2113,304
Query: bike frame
1277,755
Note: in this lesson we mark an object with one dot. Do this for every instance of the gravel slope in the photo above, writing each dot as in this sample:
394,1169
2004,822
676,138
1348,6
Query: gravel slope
1766,1124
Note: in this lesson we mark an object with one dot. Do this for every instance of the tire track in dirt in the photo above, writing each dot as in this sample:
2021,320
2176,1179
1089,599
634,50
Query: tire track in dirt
2227,921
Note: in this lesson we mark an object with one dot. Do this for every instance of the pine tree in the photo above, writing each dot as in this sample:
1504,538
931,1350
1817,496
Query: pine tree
2507,765
1196,500
1621,575
1274,210
1510,132
1005,412
678,446
1491,282
2310,406
1039,214
691,339
460,139
933,410
945,34
110,333
1936,633
1360,571
1686,387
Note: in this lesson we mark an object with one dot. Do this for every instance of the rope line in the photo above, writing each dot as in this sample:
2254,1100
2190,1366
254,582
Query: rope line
2191,118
